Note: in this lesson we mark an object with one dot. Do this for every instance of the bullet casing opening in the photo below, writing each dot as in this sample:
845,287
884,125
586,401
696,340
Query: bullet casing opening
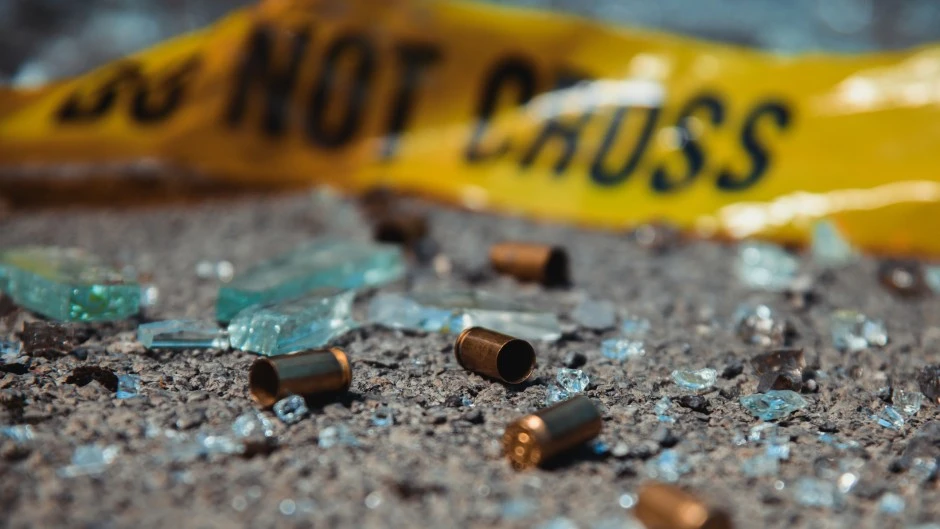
662,506
305,373
539,263
495,355
537,438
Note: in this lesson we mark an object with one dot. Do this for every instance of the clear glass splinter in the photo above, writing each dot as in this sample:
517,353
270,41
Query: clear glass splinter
182,334
324,263
288,326
67,284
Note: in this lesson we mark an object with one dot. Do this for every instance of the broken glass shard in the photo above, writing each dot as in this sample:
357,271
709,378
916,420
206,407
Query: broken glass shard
10,348
695,380
834,441
219,444
293,325
253,426
622,349
844,473
668,466
909,402
761,432
67,284
149,295
599,447
889,418
932,278
325,263
20,434
766,266
595,314
661,409
453,311
383,417
829,248
128,386
635,328
291,409
337,435
778,446
813,492
517,509
755,324
774,404
761,465
853,331
891,504
481,309
397,311
89,459
182,334
572,380
555,393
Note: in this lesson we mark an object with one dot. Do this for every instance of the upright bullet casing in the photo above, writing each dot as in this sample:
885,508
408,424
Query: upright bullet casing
662,506
495,355
537,438
540,263
305,373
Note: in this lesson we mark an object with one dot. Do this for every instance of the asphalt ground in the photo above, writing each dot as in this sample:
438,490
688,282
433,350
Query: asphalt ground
440,463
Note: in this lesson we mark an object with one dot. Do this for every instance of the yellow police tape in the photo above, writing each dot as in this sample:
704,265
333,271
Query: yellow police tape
513,110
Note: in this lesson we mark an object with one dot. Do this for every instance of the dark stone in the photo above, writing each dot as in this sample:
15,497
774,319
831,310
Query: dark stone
439,418
810,386
695,403
801,299
17,366
780,380
665,438
904,278
81,353
84,375
644,450
453,401
924,445
574,360
731,393
624,469
473,417
828,427
779,360
929,382
732,370
857,372
52,340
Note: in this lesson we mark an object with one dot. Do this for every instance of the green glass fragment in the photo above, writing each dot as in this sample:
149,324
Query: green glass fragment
293,325
67,284
324,263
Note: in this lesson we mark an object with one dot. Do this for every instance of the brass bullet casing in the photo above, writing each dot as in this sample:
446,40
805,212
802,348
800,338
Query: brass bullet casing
662,506
305,373
531,262
405,229
495,355
535,439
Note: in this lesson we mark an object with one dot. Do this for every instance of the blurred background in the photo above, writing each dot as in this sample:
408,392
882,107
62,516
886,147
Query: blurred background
41,40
